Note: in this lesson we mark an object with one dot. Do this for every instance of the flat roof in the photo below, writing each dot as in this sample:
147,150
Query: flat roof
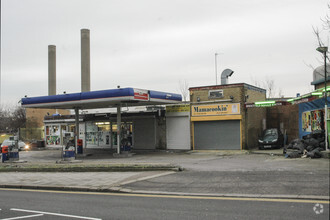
102,99
228,86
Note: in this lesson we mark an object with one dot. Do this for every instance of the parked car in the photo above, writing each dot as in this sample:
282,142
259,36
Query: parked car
271,138
21,144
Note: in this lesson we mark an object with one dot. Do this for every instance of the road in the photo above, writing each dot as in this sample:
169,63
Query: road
281,183
30,204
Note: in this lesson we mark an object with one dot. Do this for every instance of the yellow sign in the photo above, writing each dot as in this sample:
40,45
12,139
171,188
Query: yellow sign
220,109
178,108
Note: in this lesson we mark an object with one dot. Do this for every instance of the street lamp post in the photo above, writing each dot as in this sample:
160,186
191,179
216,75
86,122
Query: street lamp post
324,50
216,69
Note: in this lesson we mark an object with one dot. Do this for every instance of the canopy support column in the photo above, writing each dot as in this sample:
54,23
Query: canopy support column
76,110
111,136
118,127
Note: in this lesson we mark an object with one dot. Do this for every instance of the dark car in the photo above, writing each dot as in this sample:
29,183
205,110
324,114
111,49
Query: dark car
271,138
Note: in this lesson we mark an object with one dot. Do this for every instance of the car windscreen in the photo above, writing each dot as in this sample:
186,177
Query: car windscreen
8,143
270,134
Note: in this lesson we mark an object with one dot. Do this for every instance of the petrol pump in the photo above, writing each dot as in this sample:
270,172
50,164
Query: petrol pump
126,141
11,151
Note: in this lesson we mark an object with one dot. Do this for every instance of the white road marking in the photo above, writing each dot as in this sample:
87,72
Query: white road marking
146,177
21,217
56,214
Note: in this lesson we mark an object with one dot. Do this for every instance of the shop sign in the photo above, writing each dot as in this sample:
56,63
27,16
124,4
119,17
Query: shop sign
253,105
304,100
219,109
141,94
178,108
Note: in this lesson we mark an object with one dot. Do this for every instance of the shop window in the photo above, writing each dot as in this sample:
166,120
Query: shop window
54,130
53,135
52,140
72,128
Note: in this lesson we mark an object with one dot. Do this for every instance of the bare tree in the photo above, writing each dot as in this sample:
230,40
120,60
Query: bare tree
325,28
280,94
270,87
18,118
255,82
12,118
326,20
4,119
184,89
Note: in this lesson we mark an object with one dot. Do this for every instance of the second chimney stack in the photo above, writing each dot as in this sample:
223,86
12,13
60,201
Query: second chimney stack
51,70
85,61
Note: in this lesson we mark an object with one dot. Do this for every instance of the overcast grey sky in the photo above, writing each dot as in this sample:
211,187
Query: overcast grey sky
153,44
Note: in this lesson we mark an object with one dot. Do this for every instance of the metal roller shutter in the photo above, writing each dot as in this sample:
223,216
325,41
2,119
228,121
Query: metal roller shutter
144,133
217,135
178,133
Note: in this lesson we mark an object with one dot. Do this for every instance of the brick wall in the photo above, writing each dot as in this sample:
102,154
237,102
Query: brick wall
228,91
288,116
255,117
35,117
251,118
321,85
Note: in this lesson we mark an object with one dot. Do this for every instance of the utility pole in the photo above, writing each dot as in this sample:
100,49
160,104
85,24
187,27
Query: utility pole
324,50
216,69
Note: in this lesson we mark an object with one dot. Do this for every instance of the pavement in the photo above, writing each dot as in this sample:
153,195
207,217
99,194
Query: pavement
212,173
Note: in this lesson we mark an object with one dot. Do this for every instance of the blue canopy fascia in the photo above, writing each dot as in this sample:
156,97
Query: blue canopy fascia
102,99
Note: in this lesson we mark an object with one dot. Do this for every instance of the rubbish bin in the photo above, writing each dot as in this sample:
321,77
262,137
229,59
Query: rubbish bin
80,146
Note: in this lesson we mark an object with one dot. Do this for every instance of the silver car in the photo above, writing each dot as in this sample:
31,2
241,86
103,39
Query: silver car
21,144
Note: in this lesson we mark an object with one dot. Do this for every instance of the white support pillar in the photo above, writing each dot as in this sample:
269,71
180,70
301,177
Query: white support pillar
118,128
111,138
61,136
76,110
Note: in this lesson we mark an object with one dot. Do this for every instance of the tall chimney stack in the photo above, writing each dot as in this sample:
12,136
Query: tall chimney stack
85,61
51,70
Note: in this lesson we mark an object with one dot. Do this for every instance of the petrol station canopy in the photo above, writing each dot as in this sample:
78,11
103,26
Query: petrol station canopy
102,99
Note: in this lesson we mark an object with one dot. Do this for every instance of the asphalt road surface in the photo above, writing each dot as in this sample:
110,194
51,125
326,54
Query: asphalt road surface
30,204
239,182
